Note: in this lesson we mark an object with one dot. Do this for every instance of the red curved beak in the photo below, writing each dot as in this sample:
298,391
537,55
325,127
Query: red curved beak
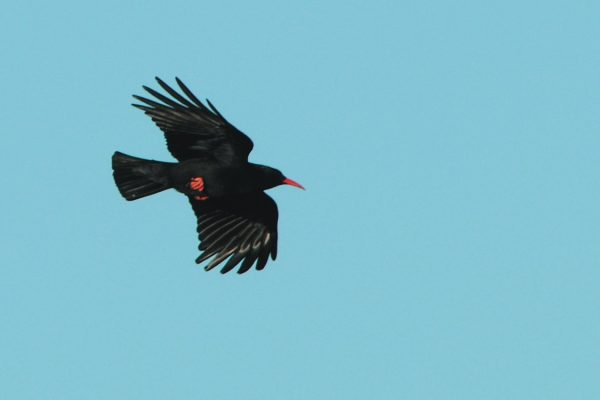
290,182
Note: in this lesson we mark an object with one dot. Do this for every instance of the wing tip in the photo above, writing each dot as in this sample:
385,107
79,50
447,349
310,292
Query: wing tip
214,109
141,107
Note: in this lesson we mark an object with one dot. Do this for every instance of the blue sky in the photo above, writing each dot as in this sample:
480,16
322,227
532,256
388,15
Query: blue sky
446,247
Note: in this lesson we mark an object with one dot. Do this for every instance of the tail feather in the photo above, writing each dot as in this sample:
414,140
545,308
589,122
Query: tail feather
137,177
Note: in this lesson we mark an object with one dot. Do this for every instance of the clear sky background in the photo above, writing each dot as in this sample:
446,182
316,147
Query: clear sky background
447,246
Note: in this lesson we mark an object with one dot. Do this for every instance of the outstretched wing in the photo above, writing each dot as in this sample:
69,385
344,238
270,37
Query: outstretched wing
238,228
191,129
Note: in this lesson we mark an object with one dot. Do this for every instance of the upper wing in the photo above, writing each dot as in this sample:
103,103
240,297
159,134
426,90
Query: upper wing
191,129
239,228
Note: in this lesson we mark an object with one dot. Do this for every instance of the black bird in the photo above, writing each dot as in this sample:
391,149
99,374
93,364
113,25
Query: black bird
236,219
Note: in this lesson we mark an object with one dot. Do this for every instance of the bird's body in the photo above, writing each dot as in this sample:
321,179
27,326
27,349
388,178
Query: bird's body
220,180
236,219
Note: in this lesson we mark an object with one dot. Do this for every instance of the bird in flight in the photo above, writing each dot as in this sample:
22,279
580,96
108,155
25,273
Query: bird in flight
237,220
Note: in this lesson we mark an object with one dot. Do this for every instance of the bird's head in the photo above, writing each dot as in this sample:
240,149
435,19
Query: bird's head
273,177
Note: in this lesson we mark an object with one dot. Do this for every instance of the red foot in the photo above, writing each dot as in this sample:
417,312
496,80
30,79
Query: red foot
197,183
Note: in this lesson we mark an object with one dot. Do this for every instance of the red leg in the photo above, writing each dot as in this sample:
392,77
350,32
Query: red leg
197,183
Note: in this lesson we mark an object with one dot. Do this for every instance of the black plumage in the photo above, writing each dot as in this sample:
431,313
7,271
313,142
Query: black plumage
237,221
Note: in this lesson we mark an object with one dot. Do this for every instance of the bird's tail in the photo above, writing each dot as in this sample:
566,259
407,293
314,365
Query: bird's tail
137,178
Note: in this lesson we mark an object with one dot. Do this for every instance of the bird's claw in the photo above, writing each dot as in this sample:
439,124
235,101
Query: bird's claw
197,184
